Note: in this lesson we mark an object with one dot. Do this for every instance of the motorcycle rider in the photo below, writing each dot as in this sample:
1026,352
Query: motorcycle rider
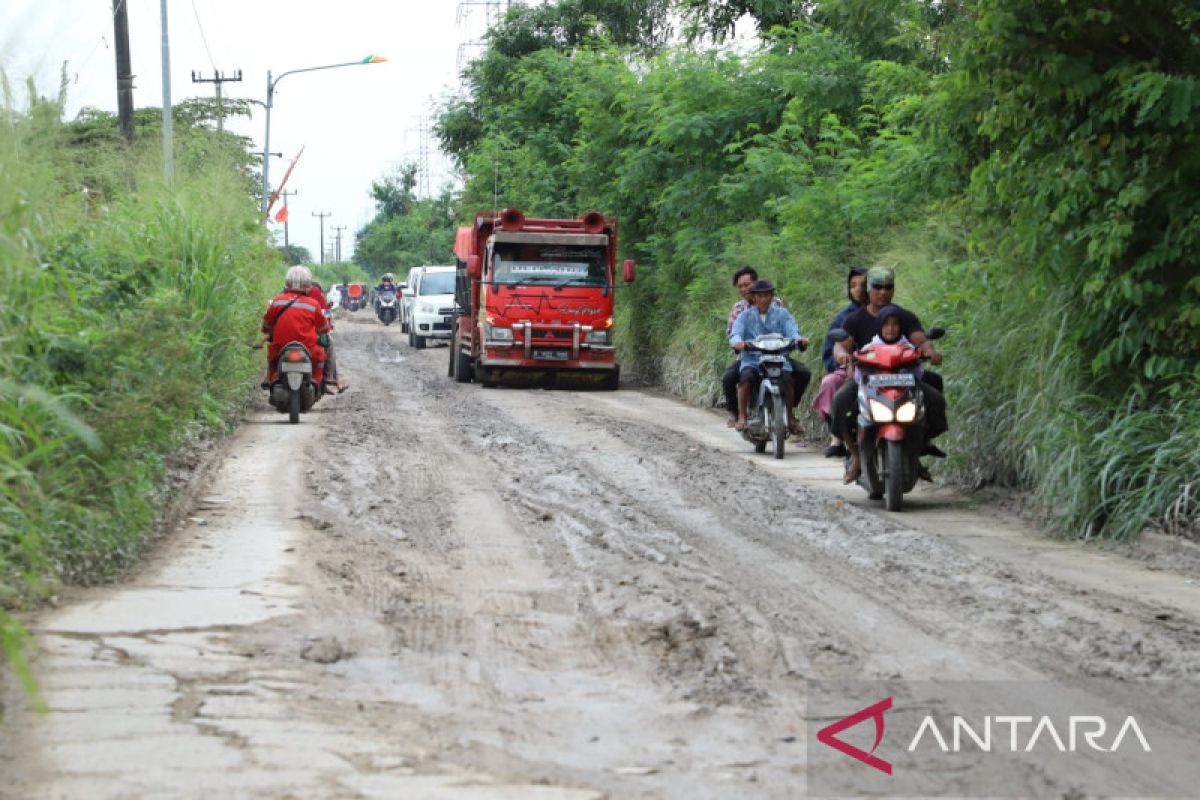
763,317
386,283
862,326
295,316
743,278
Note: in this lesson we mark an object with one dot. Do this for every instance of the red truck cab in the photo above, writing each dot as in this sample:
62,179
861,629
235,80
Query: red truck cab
535,295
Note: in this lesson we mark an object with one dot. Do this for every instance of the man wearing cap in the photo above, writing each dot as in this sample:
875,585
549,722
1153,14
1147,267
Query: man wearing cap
862,326
763,316
743,279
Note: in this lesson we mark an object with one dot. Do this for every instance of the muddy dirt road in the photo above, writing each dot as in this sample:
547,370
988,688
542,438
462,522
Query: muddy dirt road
428,589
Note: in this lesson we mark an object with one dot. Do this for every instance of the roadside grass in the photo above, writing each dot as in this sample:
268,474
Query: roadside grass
125,309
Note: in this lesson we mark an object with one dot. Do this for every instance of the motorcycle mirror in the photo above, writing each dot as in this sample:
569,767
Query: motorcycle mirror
838,334
935,333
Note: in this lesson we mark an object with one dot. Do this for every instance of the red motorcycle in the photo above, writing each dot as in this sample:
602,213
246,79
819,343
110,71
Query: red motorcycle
891,419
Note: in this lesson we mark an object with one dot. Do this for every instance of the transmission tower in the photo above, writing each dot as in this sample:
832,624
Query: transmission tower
424,182
494,11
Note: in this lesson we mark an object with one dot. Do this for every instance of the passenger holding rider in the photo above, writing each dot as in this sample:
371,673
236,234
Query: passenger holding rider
764,316
862,327
294,316
743,278
835,375
332,377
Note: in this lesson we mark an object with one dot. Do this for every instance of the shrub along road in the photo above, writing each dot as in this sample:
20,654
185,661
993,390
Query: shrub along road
433,589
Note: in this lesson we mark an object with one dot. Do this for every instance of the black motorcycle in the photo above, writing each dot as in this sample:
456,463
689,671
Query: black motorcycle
766,411
294,390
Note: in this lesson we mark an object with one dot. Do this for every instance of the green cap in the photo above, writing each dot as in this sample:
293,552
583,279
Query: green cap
878,276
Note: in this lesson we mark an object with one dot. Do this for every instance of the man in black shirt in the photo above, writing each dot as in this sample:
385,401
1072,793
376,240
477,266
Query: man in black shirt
862,326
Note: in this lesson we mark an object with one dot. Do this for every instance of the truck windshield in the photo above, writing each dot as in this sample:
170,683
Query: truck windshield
437,283
561,265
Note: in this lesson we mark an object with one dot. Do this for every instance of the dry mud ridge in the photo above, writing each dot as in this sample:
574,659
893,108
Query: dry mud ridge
428,589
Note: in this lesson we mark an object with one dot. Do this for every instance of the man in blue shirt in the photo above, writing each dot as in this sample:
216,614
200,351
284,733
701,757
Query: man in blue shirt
763,316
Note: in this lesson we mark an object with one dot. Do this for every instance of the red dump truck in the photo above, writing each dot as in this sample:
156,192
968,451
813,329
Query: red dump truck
535,298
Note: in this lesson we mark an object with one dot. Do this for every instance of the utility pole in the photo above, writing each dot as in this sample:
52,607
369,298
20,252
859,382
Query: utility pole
338,239
285,195
124,70
322,215
217,79
167,109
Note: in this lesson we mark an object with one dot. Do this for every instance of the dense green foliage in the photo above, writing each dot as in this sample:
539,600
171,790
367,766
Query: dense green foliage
406,231
125,309
1028,168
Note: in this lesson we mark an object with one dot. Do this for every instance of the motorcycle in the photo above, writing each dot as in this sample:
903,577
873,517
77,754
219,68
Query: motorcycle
891,419
386,308
294,390
766,411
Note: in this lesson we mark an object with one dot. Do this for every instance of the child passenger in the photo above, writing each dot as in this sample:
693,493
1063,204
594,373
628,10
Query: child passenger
889,333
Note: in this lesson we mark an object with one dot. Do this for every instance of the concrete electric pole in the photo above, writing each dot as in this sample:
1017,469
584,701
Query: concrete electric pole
217,79
322,215
337,247
124,70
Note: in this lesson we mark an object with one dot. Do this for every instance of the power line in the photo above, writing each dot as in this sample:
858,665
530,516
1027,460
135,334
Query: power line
204,39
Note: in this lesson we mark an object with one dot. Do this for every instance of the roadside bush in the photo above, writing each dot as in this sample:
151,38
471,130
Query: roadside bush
124,316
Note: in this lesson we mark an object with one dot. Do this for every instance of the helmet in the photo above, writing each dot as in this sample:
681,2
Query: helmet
298,278
387,276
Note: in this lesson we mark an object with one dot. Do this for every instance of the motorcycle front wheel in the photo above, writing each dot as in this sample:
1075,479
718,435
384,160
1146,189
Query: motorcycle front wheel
893,484
778,425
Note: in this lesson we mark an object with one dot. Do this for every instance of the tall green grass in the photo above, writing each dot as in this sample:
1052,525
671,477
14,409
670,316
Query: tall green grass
125,307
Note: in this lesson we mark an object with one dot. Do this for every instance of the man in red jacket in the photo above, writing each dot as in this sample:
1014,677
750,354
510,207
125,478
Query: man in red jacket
295,316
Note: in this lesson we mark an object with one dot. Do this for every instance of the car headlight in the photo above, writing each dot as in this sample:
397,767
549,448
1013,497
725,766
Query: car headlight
426,308
880,412
906,412
599,337
497,334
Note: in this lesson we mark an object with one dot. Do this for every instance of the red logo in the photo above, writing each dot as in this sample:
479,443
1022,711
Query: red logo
828,735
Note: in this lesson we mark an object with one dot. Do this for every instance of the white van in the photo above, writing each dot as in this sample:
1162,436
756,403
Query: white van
432,310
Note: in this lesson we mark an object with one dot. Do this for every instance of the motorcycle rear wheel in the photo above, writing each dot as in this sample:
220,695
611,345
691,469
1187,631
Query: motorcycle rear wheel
293,406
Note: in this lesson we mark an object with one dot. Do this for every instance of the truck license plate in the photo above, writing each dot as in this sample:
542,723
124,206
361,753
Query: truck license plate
551,355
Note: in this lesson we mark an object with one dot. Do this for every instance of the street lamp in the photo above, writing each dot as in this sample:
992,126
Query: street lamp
266,161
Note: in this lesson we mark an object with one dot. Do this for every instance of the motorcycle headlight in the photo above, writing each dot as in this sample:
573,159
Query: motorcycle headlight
906,412
880,412
497,334
599,337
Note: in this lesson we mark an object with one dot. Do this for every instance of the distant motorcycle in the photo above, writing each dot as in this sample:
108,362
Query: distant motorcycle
891,416
386,307
766,412
294,390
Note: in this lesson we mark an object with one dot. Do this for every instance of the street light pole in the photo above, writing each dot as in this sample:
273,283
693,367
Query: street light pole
271,83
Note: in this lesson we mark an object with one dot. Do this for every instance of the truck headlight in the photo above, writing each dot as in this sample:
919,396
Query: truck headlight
880,412
497,334
599,337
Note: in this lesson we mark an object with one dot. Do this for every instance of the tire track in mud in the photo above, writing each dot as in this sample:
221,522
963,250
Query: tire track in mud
541,650
555,552
1027,620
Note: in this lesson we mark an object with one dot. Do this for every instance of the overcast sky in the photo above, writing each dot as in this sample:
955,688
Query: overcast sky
356,124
